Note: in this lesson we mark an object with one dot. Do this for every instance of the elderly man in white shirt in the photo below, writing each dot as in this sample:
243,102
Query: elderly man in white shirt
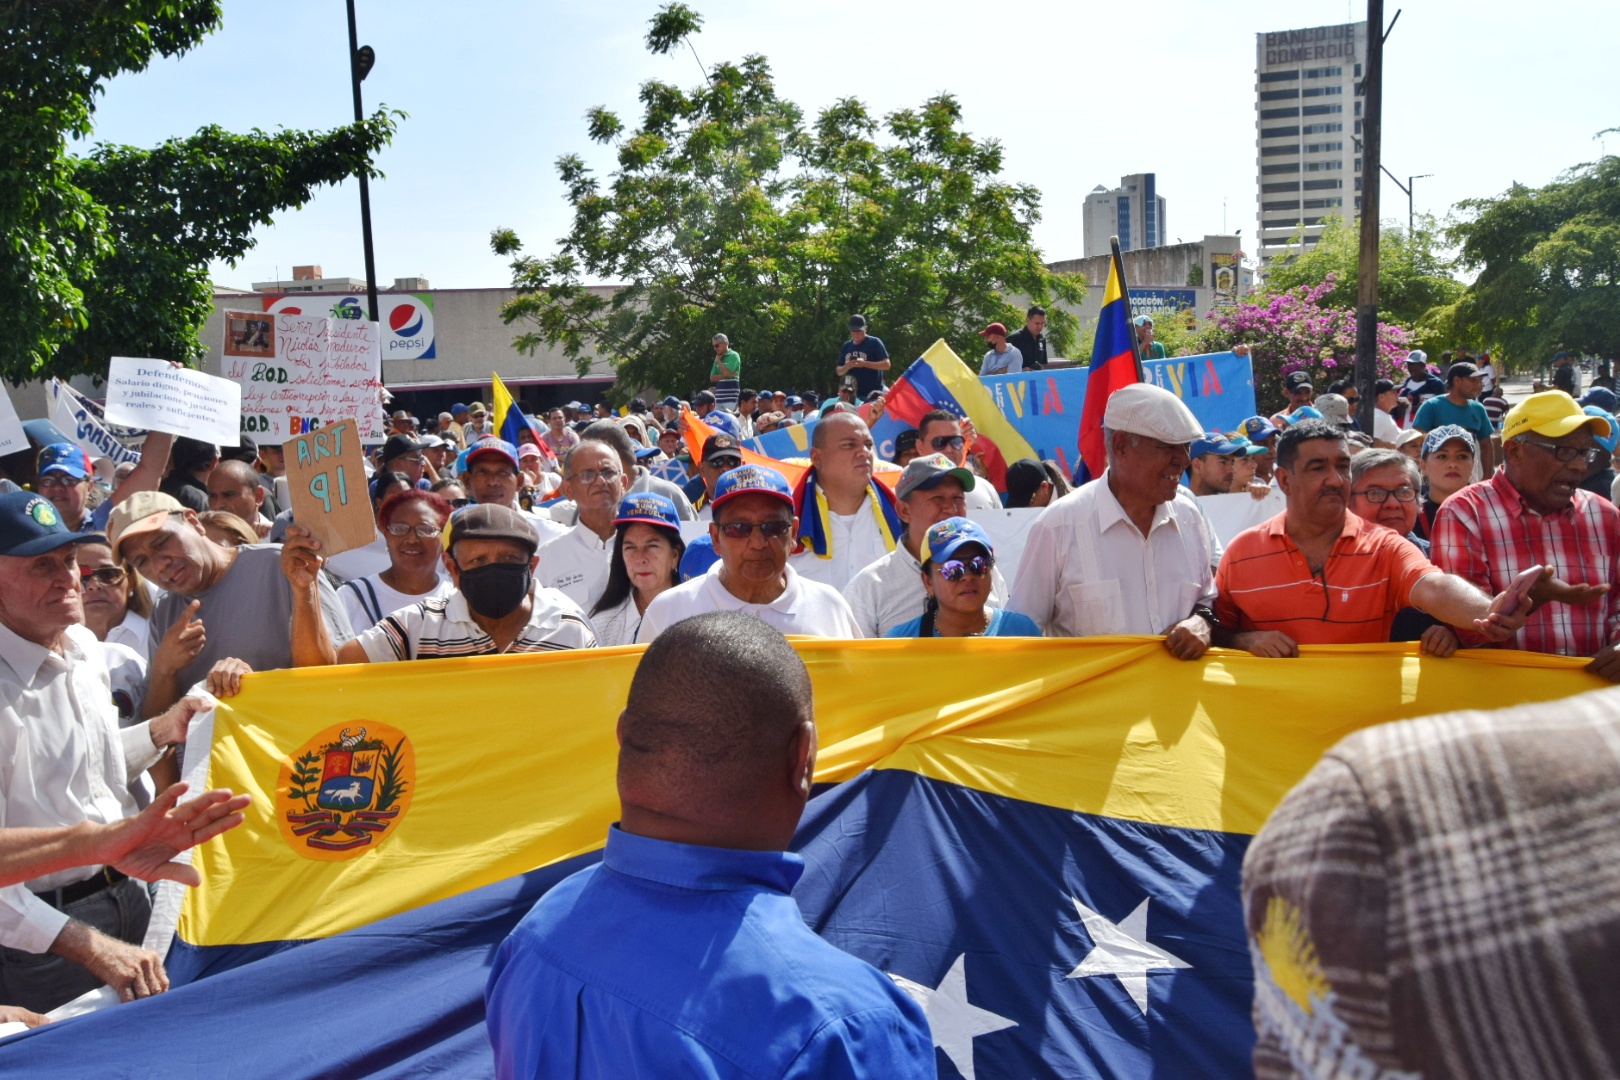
576,563
890,591
1129,553
65,763
753,530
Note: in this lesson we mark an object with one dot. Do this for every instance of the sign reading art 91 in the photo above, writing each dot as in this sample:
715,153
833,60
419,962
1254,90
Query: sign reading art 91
299,373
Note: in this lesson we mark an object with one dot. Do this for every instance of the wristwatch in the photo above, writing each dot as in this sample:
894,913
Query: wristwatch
1207,613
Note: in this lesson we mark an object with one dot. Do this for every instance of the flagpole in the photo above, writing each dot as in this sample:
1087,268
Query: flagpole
1125,295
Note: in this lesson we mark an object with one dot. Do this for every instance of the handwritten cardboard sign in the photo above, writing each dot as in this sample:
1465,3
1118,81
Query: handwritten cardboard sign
155,395
326,477
301,372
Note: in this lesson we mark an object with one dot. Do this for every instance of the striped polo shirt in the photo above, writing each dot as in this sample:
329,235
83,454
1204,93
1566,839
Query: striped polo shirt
444,627
1265,583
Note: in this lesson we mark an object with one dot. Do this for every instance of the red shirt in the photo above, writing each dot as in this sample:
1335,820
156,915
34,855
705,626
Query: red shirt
1265,583
1487,534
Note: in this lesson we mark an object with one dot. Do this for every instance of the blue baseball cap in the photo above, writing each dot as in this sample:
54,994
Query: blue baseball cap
488,445
643,452
1305,412
64,457
794,399
647,508
1606,441
1215,443
30,525
724,423
944,539
1245,447
1258,429
1603,398
458,407
672,402
1437,438
751,480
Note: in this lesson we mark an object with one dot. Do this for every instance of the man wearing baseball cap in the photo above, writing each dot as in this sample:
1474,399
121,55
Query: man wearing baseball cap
67,763
1002,359
1421,384
1212,468
477,425
402,453
889,591
492,473
64,472
721,454
1130,553
497,606
1533,512
1299,391
753,531
1460,408
863,358
1149,349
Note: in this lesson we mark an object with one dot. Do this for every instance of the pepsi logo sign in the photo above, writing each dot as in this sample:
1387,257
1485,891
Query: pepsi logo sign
406,318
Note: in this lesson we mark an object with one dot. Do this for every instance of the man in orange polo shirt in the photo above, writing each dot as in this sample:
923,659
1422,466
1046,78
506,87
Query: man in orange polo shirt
1317,574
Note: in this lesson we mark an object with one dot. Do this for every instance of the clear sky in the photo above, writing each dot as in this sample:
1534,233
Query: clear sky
1478,92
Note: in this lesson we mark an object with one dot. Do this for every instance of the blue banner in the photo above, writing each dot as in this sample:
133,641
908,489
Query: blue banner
1045,405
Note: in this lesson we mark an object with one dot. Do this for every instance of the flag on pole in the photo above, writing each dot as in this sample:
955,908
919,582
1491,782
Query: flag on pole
1114,364
511,421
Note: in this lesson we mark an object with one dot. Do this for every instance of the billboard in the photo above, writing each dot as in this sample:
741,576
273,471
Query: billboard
1157,302
406,318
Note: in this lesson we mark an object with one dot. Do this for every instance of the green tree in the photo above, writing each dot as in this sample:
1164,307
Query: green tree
1548,262
728,213
1414,274
108,253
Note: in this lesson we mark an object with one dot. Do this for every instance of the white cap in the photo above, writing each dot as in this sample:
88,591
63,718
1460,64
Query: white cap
1417,356
1145,409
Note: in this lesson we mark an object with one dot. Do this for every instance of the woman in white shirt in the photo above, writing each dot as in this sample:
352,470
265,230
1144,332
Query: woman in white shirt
117,600
411,522
646,561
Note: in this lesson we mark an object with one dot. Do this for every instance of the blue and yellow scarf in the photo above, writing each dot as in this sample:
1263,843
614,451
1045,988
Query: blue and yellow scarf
815,522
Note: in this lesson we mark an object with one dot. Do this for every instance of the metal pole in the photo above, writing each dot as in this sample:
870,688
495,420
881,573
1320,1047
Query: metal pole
1367,280
355,75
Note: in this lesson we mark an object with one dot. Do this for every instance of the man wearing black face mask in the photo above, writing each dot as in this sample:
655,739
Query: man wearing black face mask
496,608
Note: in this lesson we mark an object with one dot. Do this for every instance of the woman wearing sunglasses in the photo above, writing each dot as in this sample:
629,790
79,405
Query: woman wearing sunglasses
646,561
117,603
956,562
411,521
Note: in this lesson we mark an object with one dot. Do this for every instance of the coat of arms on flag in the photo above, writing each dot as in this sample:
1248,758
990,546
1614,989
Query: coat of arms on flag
345,789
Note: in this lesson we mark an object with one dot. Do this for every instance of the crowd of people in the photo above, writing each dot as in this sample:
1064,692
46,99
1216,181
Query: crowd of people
118,596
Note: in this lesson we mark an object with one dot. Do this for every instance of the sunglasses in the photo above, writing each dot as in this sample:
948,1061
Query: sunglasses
771,530
399,528
457,504
941,442
108,577
956,569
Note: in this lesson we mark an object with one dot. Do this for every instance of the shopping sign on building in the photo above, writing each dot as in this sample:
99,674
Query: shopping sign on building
302,372
406,318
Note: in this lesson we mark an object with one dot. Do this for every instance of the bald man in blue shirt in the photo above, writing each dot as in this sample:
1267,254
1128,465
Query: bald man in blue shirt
683,953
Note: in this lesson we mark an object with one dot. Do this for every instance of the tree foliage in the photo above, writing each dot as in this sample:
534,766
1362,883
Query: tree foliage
108,253
729,213
1414,274
1548,262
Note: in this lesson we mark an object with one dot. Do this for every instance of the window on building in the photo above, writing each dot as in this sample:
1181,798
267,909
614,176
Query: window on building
1358,203
1281,204
1358,188
1279,95
1278,151
1278,132
1273,170
1358,71
1322,129
1323,73
1324,166
1314,220
1323,204
1278,114
1358,164
1272,189
1323,91
1358,108
1279,223
1278,76
1358,127
1324,110
1322,147
1323,185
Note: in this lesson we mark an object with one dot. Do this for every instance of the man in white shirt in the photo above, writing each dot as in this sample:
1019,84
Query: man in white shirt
1385,429
753,531
1129,553
941,432
845,520
66,763
890,591
492,476
576,563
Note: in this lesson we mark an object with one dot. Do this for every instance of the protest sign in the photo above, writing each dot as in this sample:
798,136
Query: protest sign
73,415
158,396
12,437
299,372
326,477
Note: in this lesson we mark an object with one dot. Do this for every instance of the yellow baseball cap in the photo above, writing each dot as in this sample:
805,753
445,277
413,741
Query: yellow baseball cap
1552,413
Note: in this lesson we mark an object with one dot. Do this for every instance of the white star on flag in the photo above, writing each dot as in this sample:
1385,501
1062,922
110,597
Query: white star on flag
1122,950
954,1020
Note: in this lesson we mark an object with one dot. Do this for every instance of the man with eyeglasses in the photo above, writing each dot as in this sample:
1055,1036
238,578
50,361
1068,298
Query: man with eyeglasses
720,455
942,432
753,531
1533,512
491,474
576,563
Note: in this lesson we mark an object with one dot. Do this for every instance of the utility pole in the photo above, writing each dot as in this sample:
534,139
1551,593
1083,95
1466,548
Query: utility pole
1406,189
360,63
1367,280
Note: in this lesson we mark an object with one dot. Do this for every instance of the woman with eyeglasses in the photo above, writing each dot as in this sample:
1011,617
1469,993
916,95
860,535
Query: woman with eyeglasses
646,561
411,521
117,600
956,563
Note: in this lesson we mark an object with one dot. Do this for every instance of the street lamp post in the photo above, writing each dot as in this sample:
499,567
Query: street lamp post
1406,189
361,60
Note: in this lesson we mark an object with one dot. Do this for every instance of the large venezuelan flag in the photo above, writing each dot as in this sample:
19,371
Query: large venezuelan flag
1040,839
939,380
1113,364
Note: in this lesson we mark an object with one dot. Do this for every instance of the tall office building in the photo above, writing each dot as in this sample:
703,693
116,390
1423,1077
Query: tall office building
1134,212
1308,121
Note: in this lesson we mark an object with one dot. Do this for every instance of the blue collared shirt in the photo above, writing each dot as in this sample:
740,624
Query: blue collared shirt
675,960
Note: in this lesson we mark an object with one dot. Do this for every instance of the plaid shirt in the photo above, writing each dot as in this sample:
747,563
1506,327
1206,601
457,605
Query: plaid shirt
1441,897
1487,534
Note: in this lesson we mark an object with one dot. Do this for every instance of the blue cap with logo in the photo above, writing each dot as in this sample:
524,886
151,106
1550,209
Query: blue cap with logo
724,423
944,538
1215,443
1305,412
491,446
1258,429
1608,441
751,480
64,457
30,525
1245,447
1443,434
647,508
